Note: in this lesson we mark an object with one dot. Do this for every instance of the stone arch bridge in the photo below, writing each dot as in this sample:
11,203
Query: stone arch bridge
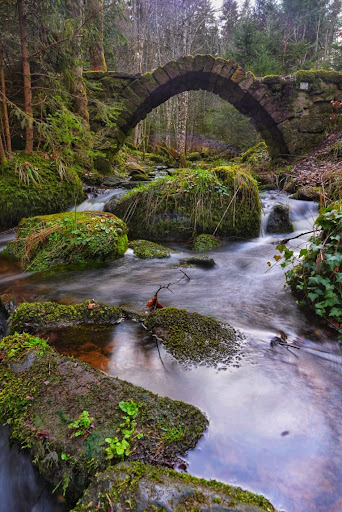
290,113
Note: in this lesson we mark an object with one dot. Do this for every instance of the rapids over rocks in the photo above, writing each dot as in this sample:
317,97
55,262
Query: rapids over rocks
274,415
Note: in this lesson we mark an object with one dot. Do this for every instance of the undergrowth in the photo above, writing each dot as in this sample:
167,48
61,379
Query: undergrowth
315,275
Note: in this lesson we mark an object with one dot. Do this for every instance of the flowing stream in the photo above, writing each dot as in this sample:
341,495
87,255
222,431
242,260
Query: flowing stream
275,424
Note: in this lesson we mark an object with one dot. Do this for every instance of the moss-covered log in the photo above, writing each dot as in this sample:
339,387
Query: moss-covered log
148,488
68,238
31,185
44,396
224,202
194,339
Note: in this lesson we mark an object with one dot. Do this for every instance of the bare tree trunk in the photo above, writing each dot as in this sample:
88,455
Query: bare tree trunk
2,152
75,8
4,105
27,79
96,52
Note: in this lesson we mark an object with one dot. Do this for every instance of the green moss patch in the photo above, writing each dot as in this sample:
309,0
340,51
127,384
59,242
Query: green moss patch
35,316
146,250
194,339
68,238
224,202
48,400
149,488
206,242
32,185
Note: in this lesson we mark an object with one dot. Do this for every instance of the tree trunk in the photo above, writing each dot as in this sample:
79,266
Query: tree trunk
2,152
27,79
183,118
4,105
96,52
75,8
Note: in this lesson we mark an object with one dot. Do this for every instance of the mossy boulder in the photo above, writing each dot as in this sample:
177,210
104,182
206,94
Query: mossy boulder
68,238
193,202
194,339
193,157
42,393
146,250
152,488
256,154
31,185
279,220
197,261
206,242
32,317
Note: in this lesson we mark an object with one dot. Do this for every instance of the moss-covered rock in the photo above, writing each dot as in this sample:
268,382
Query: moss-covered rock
279,220
194,339
206,242
193,202
68,238
31,185
256,154
197,261
146,250
193,157
32,317
308,193
151,488
42,393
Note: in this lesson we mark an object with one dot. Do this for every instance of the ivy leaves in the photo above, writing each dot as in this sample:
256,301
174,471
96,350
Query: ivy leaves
316,273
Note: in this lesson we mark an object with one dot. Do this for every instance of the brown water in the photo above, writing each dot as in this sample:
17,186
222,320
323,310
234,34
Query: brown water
275,420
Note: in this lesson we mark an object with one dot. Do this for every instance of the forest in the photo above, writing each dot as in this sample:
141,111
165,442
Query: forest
170,255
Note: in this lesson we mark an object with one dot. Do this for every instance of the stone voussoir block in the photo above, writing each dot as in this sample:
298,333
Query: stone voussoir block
247,82
258,90
228,69
238,75
161,76
140,90
199,62
131,96
172,69
149,82
210,61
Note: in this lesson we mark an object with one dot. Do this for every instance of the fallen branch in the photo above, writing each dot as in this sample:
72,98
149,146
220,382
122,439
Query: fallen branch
154,303
285,240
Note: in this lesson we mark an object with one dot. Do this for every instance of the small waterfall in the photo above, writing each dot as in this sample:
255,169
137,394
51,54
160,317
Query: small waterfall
98,203
302,213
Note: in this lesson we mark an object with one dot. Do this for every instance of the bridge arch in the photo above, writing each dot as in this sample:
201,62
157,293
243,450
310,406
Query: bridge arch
225,78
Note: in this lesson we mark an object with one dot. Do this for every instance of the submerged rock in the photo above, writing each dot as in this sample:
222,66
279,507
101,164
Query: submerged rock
147,487
62,411
193,201
198,261
146,250
35,316
194,339
279,220
68,238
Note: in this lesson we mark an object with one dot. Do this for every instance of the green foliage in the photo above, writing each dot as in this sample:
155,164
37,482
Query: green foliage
171,434
25,342
316,273
120,448
33,185
82,425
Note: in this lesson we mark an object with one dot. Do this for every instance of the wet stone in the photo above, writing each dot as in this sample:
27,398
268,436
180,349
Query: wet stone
198,261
